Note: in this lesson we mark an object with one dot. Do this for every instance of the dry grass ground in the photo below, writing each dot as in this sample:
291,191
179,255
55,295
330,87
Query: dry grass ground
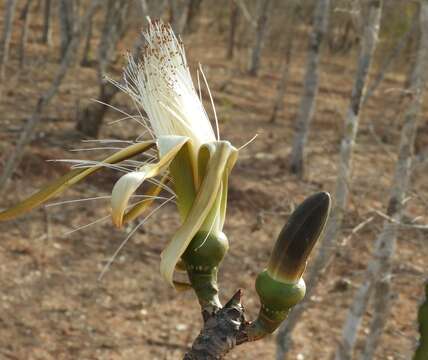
53,307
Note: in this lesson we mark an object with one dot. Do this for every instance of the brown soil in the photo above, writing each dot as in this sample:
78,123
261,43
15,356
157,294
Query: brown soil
53,307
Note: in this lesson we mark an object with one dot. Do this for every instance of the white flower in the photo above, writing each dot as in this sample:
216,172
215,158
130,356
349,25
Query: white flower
197,162
162,84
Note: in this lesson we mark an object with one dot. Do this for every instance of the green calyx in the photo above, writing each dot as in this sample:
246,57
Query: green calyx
277,298
205,251
202,258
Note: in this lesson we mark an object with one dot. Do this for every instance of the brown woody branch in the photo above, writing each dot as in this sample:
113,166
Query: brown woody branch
224,328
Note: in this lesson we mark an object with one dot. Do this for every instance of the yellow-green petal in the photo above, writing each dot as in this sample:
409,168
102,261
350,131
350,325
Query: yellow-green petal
168,147
69,179
143,205
221,152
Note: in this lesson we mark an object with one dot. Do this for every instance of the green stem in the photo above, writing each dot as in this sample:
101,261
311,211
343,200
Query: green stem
204,283
202,258
422,350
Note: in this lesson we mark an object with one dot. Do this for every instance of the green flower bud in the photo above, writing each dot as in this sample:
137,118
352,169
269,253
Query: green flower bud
298,237
281,286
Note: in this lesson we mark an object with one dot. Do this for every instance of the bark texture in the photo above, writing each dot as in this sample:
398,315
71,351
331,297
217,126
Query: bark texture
179,10
66,24
333,226
193,11
25,17
86,60
310,86
392,56
223,330
7,32
233,26
47,29
261,30
288,49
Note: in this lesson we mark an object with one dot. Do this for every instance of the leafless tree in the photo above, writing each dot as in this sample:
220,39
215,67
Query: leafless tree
368,46
179,10
66,23
233,25
87,48
263,13
25,17
310,86
333,226
115,24
27,133
10,6
47,28
391,57
192,13
91,117
378,274
343,32
285,65
114,27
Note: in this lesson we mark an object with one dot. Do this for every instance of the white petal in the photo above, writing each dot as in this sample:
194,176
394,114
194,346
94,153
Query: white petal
121,193
162,84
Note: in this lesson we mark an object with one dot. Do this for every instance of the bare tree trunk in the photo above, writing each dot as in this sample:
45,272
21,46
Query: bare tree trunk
90,118
381,306
288,47
153,8
334,224
44,100
7,32
178,14
87,49
233,26
25,16
398,48
261,31
384,246
113,30
310,86
369,42
192,12
66,24
379,268
47,28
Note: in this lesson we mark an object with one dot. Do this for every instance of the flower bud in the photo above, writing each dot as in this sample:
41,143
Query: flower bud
281,286
298,237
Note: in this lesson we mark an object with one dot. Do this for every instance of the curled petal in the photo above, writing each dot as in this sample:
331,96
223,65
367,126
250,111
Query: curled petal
219,154
121,193
142,206
168,147
69,179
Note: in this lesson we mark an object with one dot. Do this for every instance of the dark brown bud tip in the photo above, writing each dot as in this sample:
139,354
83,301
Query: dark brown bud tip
298,237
